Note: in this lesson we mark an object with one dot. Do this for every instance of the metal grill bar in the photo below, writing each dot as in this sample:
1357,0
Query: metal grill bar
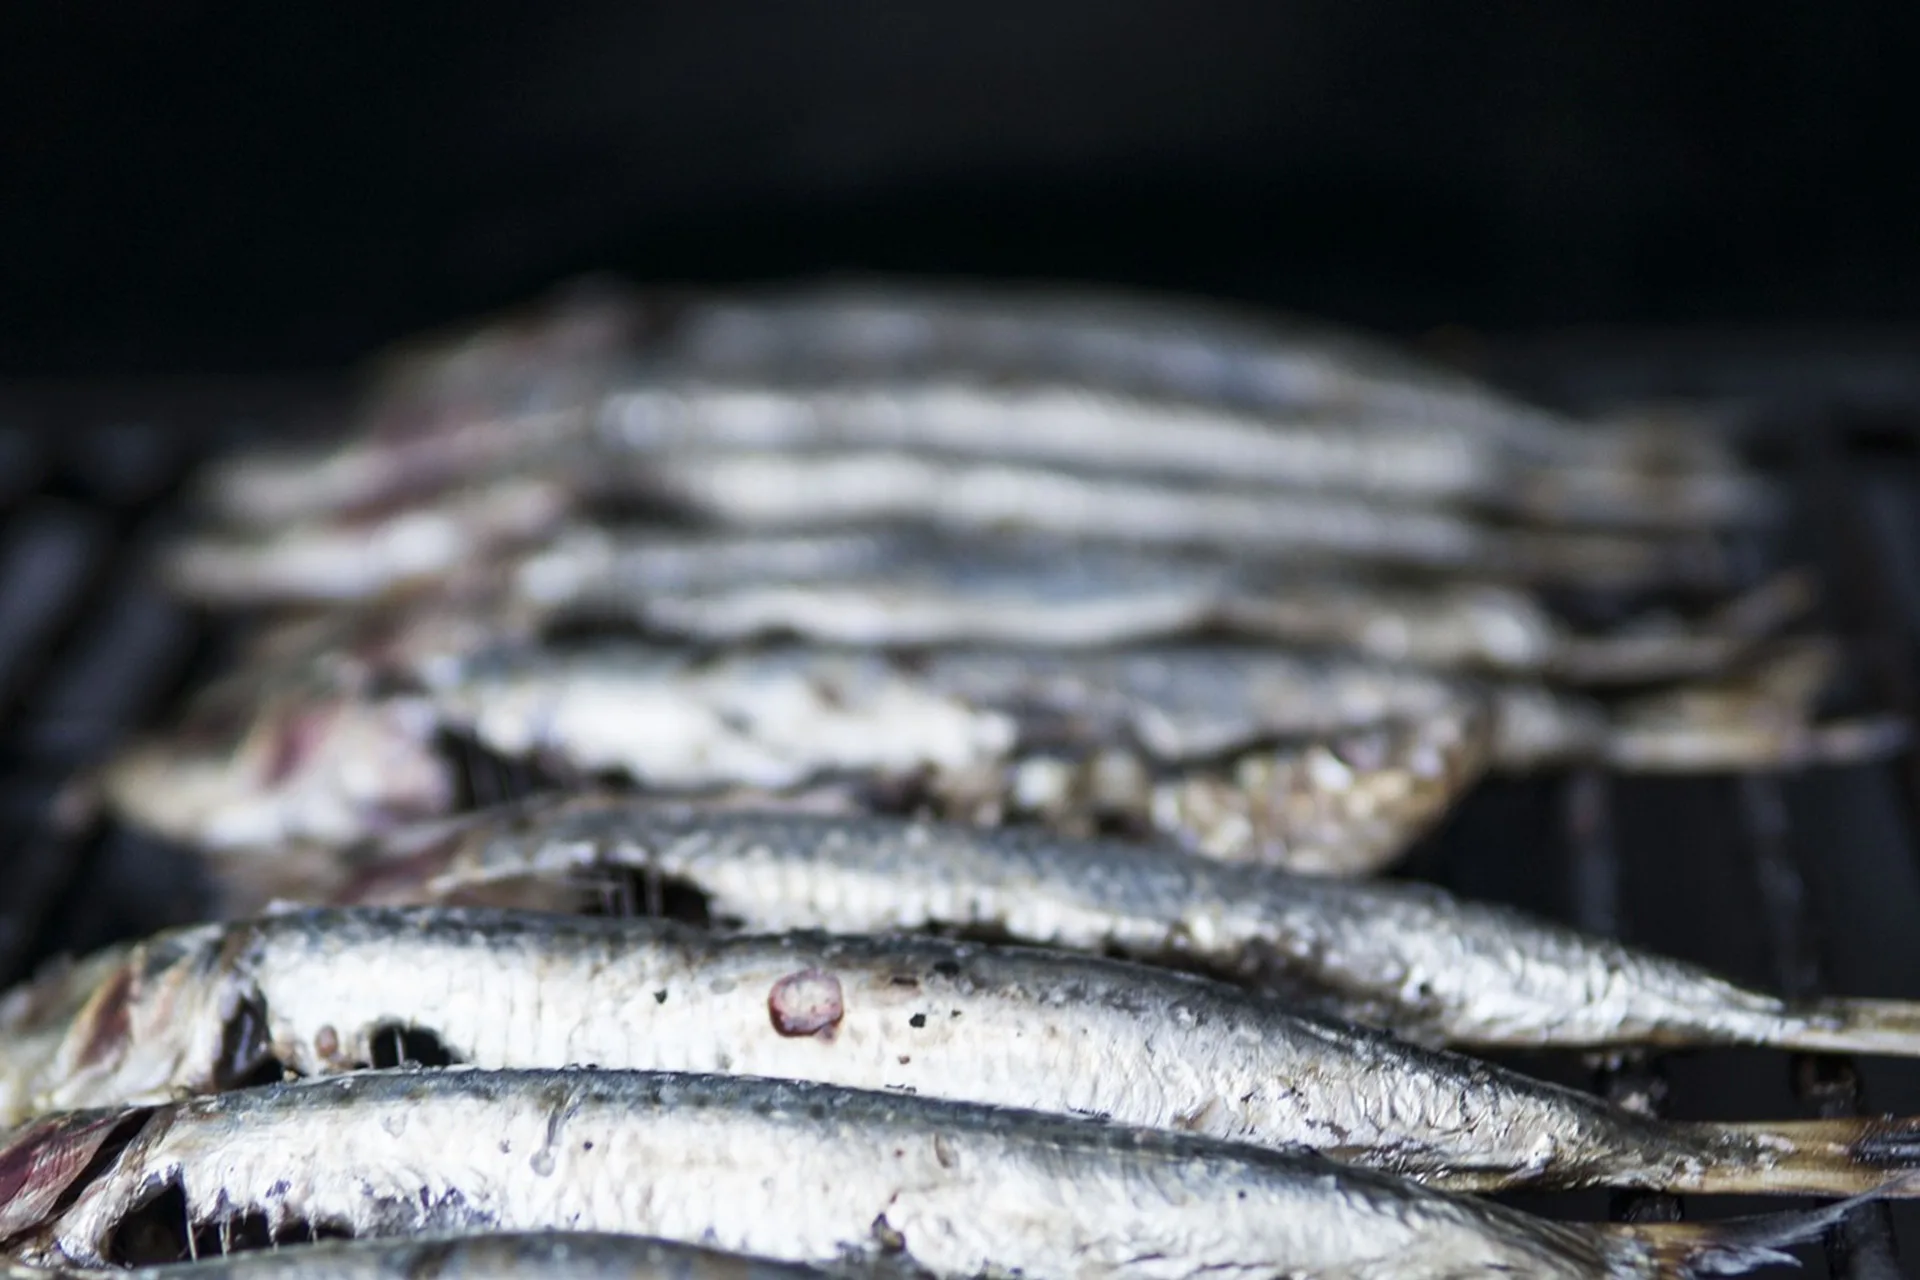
1632,1080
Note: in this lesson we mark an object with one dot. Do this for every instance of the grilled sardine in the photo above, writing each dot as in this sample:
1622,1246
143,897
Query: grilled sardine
1406,956
799,1172
320,992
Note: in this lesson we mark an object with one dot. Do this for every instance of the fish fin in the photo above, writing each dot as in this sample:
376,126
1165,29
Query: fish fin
1851,1155
1839,1024
1731,1246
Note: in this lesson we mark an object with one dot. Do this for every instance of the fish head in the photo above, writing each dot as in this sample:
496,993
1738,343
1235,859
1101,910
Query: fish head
35,1018
324,768
175,1013
42,1161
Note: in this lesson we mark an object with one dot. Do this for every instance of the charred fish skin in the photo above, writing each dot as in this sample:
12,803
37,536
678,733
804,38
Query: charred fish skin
1406,956
318,991
799,1173
541,1255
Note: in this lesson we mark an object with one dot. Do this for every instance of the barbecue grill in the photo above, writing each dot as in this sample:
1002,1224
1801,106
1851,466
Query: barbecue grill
1798,882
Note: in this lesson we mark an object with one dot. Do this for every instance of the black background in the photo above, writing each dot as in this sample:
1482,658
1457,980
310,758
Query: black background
219,187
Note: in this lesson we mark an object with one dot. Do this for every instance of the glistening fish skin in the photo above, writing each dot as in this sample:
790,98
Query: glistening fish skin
909,590
1406,956
772,491
320,991
809,1174
537,1255
930,369
272,760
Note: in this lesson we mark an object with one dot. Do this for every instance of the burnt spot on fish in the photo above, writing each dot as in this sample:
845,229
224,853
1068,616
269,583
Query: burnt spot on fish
806,1003
905,980
47,1164
917,1021
393,1044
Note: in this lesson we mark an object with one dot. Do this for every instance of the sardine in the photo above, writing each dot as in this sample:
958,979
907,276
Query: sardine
321,992
367,557
1405,956
527,1255
330,764
817,490
1087,381
803,1173
895,587
1206,354
901,590
670,717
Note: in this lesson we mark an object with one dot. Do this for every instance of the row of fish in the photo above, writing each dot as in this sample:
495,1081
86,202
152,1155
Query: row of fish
1318,761
846,617
931,1082
798,1173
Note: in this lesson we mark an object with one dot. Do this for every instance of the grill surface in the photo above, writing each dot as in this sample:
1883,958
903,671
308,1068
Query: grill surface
1804,883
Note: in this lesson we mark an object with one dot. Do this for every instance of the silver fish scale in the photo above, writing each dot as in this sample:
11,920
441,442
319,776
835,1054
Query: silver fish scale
802,1173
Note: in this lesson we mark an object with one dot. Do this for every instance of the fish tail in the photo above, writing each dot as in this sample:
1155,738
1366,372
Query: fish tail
1849,1156
1838,1024
1728,1247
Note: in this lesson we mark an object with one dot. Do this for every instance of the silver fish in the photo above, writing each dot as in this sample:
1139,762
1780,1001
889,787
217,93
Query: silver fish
1405,956
329,764
366,557
527,1255
1204,353
320,992
1331,410
1045,592
816,490
804,1173
896,587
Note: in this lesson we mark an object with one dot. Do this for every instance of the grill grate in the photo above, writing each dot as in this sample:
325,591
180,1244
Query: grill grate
1806,883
